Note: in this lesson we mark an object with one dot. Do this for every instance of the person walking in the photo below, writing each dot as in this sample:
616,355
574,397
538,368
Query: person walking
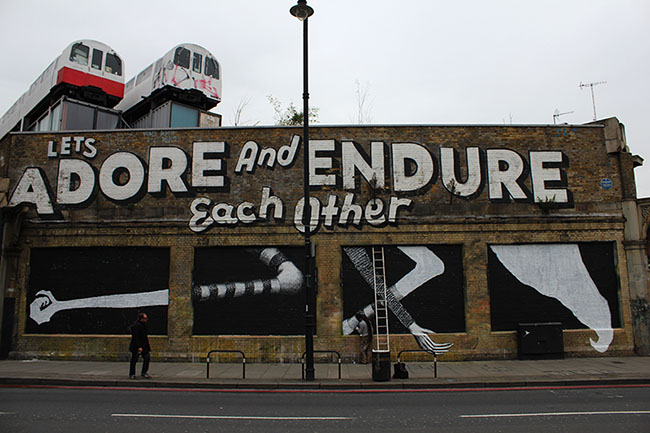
140,346
364,328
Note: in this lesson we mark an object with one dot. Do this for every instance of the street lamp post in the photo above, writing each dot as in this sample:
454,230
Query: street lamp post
303,12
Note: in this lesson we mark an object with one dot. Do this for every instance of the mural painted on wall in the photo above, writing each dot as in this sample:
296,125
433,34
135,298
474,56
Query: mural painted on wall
78,171
249,291
425,290
96,290
575,284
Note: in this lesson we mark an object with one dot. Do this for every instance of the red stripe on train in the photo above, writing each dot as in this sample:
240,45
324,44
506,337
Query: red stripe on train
81,79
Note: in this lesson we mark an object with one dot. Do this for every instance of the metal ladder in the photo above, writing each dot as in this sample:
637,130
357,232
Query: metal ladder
381,306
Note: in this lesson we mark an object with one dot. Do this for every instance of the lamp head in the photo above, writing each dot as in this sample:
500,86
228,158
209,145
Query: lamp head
301,10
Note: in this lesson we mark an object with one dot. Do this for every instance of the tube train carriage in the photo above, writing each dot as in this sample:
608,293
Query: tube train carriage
188,74
88,71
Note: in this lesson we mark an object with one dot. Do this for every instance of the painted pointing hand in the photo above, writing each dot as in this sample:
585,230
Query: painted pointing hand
45,305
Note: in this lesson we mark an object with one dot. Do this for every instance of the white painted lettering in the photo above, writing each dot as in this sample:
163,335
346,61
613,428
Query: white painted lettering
201,164
247,157
75,183
352,160
246,212
267,156
374,212
423,166
504,167
166,164
270,200
349,208
31,189
113,168
540,175
201,219
330,211
90,150
51,150
222,213
448,172
314,205
66,145
287,154
395,204
78,141
321,162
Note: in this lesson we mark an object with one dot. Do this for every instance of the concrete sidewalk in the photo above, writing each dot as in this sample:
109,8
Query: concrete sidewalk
573,371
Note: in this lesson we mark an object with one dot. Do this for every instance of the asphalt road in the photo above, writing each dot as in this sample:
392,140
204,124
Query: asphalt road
612,409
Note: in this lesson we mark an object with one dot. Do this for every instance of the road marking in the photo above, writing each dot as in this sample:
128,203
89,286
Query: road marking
236,417
514,415
7,413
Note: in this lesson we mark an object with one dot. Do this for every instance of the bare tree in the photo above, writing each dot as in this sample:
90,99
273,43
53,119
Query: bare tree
364,109
239,111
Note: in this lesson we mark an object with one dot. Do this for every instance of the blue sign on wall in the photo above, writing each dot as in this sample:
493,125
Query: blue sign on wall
606,183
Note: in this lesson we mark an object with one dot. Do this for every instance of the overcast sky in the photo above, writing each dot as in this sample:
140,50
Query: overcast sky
422,62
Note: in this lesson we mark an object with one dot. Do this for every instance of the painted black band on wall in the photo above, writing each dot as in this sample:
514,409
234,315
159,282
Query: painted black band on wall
96,290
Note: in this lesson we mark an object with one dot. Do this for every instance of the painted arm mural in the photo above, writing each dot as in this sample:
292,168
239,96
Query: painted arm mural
288,280
45,305
427,266
557,271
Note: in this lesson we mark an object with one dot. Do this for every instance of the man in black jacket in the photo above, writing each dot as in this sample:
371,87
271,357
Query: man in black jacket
139,345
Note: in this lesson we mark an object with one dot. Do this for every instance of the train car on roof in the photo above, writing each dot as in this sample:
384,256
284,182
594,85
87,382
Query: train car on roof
188,74
87,70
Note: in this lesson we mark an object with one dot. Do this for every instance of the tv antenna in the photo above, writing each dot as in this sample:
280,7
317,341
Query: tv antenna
557,115
591,87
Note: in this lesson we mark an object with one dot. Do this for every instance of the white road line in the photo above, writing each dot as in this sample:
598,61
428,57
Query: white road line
514,415
7,413
235,417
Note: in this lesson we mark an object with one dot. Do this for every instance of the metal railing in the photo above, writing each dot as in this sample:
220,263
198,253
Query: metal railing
321,351
435,359
243,362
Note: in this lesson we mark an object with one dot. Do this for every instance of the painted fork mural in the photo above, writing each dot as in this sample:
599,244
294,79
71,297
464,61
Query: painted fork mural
427,266
45,305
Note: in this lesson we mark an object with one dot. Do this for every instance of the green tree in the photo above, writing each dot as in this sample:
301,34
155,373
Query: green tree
290,116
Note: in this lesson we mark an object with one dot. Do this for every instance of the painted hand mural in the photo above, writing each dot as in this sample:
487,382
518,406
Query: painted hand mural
96,290
427,266
45,305
558,271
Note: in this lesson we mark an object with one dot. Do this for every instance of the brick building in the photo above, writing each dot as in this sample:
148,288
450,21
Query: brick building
483,228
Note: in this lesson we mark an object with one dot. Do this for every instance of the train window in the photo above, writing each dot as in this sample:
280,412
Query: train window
79,53
211,68
182,57
196,62
113,64
96,61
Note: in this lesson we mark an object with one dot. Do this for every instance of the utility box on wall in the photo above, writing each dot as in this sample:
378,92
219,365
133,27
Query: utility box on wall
540,341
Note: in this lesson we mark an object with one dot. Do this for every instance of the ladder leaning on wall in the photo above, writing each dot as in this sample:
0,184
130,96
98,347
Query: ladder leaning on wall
382,341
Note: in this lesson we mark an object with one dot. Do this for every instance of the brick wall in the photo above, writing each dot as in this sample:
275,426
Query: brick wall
436,217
